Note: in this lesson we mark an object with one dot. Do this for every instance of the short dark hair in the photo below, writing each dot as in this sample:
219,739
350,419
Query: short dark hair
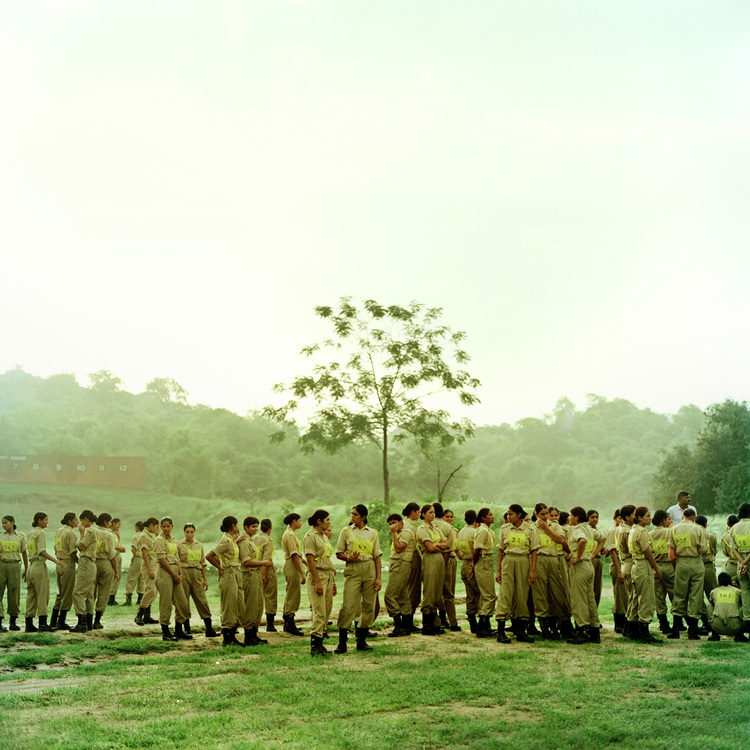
688,513
250,521
266,525
438,509
470,517
682,493
743,511
590,513
394,517
701,521
724,579
579,513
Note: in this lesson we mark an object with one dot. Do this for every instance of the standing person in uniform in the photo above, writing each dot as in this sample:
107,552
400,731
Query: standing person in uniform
65,549
433,544
725,611
37,579
583,541
359,547
726,547
169,584
318,551
251,565
148,555
135,580
106,566
596,558
293,572
483,570
709,576
403,548
268,574
12,552
447,607
741,551
119,549
466,548
411,516
641,547
548,591
663,586
194,580
630,626
517,547
687,544
85,585
619,592
225,556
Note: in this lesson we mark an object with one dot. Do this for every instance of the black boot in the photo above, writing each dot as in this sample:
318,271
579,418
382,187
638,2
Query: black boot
186,627
179,632
13,625
128,600
428,626
546,633
645,636
410,626
166,635
704,628
140,599
484,630
270,627
519,628
317,648
398,627
252,638
554,634
43,627
2,629
112,601
501,635
472,623
676,627
619,619
740,638
595,635
53,619
98,621
443,619
139,615
362,644
343,635
210,632
664,626
61,624
30,627
147,619
230,637
692,624
531,628
579,637
715,636
89,621
292,628
566,629
80,625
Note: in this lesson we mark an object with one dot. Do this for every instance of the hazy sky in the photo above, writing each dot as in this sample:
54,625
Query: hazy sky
182,182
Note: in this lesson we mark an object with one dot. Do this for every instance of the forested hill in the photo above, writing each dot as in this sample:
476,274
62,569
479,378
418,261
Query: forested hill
602,455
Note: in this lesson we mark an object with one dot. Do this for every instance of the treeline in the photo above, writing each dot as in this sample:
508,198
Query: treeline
603,455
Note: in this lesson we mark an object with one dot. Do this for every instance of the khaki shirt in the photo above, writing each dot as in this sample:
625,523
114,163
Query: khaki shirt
484,539
578,532
727,602
596,537
713,546
364,540
547,545
726,544
521,540
191,555
425,533
622,533
248,551
135,546
406,536
290,544
659,544
450,533
639,541
466,541
147,542
740,539
105,544
166,549
265,543
609,542
89,542
228,552
65,543
316,543
688,539
36,543
12,545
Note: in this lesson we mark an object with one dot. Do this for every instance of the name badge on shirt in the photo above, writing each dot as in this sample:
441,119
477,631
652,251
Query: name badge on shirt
363,546
517,539
12,546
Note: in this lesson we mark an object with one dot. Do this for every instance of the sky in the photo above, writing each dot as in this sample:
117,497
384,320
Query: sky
183,181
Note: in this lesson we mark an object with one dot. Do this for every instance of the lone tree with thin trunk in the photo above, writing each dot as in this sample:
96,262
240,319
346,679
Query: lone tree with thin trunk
375,378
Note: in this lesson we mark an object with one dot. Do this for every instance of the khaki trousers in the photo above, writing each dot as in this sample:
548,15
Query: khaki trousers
710,581
359,590
688,587
116,582
252,592
149,595
449,591
104,576
471,588
744,580
329,594
397,591
664,587
514,589
192,584
631,610
171,594
10,578
293,588
319,602
415,582
484,574
548,591
66,582
643,583
135,581
229,593
619,592
731,567
271,591
37,589
596,563
728,626
83,591
582,602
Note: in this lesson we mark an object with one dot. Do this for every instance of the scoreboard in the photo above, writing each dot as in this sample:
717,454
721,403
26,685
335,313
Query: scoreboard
125,472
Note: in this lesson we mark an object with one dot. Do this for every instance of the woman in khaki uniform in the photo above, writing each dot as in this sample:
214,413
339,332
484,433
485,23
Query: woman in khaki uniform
251,565
466,549
225,556
12,552
65,549
411,515
582,542
169,584
37,579
318,551
630,625
483,571
664,586
517,547
619,592
146,542
396,598
433,545
740,545
726,547
709,565
83,593
135,580
641,547
106,565
194,581
447,609
114,529
268,575
548,591
293,573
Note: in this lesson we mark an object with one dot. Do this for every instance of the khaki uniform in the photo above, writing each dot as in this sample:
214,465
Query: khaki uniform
484,569
136,580
316,543
731,565
397,591
146,542
171,593
619,592
105,573
466,547
740,541
37,578
290,546
65,547
83,592
725,610
626,565
665,586
118,562
639,542
516,544
433,568
193,564
415,571
710,581
548,591
596,563
271,590
359,575
12,546
689,542
252,587
451,564
582,601
230,584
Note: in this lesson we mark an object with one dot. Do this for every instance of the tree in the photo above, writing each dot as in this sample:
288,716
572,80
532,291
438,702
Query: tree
105,381
385,364
167,390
